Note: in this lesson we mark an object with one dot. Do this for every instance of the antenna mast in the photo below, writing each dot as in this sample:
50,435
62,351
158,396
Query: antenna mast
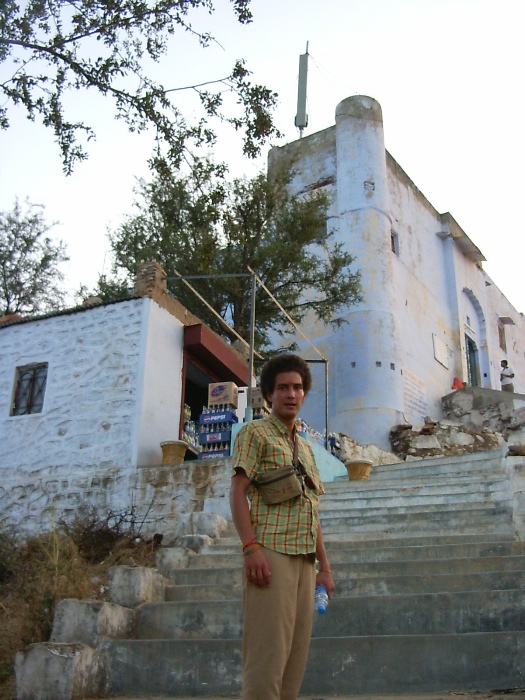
301,119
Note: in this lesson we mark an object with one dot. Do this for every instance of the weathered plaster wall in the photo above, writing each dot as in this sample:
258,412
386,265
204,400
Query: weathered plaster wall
155,498
113,391
405,343
421,297
89,409
113,394
159,405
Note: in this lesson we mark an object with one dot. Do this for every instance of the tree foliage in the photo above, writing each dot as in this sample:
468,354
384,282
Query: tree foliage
203,225
30,276
53,47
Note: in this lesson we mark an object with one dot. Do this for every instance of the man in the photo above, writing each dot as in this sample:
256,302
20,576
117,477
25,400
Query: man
506,376
281,541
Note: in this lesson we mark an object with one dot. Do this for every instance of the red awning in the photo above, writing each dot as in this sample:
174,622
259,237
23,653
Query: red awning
214,352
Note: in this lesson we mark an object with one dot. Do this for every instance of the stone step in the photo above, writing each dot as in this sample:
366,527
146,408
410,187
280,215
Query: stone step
228,543
461,507
491,460
432,493
369,585
431,613
405,477
402,479
437,583
353,570
490,519
461,612
339,553
376,665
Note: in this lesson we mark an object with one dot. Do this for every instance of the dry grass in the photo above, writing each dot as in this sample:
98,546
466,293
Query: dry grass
70,562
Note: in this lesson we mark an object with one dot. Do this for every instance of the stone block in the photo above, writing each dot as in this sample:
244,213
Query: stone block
52,671
425,442
196,542
218,504
461,438
87,621
169,558
210,524
133,585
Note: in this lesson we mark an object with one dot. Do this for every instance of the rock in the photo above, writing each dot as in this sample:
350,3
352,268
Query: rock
169,558
130,586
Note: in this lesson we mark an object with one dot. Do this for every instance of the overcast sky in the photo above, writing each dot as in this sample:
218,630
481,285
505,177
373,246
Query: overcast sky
447,74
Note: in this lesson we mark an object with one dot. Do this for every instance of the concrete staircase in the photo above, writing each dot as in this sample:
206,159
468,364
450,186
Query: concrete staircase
430,582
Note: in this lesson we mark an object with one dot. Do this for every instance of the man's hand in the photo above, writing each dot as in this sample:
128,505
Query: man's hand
257,569
325,578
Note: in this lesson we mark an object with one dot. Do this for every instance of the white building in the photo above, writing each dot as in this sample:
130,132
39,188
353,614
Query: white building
87,396
430,313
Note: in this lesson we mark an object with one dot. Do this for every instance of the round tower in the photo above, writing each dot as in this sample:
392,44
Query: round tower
367,376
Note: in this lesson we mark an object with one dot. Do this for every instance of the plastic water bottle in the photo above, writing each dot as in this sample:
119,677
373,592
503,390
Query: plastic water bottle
321,599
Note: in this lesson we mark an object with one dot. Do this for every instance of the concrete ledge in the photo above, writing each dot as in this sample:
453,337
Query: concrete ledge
51,671
87,621
342,667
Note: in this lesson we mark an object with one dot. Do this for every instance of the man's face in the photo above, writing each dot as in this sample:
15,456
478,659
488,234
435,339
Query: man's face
287,396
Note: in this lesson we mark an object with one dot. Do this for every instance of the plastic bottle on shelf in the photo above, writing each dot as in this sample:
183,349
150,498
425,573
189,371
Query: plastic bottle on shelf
321,599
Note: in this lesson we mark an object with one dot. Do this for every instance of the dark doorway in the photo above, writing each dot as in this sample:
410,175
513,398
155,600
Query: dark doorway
472,361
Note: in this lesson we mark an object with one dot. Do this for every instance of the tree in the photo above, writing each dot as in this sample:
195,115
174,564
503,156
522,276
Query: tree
52,48
29,262
201,224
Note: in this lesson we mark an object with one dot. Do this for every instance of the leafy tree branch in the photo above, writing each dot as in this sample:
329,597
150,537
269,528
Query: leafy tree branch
53,47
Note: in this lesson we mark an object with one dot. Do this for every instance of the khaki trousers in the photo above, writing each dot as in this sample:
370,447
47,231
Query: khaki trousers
277,628
507,387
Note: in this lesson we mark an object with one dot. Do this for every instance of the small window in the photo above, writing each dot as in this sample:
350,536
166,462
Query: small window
30,387
502,338
394,241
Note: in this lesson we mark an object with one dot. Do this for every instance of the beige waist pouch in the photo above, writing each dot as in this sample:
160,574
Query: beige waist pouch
279,485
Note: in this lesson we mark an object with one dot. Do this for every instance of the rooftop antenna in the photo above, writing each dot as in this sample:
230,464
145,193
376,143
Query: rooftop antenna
301,119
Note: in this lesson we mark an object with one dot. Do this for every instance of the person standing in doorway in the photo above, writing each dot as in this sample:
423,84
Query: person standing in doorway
281,541
506,376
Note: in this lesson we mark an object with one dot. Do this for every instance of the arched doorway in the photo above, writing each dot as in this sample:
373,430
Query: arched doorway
473,372
475,339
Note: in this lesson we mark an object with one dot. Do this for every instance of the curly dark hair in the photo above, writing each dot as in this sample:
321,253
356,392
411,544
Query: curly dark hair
285,362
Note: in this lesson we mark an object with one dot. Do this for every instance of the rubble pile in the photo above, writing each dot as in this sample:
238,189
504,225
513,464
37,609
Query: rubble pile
437,439
350,449
483,408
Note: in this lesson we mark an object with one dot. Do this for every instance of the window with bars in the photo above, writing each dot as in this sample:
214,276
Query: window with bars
30,387
502,337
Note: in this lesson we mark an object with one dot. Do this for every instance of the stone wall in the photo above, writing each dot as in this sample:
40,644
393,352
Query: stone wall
477,409
88,416
158,498
440,439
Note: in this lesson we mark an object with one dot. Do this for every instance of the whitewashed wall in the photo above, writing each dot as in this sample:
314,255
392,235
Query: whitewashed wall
403,345
113,394
94,358
159,406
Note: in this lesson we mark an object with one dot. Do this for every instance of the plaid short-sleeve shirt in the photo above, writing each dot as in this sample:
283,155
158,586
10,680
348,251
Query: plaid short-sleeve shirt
291,526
